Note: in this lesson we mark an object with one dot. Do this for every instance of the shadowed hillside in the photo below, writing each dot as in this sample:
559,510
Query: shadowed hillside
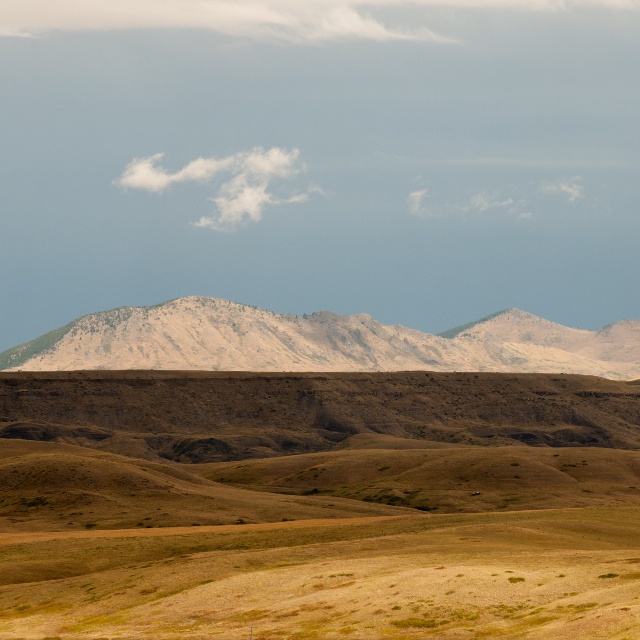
48,486
206,417
445,479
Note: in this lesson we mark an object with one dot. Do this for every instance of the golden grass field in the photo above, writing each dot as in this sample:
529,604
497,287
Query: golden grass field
131,563
379,507
550,574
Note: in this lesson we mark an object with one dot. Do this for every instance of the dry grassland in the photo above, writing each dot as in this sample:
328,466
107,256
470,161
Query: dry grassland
551,574
107,570
443,479
393,527
53,487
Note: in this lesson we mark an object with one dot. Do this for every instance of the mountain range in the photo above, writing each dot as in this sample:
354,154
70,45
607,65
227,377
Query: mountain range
200,333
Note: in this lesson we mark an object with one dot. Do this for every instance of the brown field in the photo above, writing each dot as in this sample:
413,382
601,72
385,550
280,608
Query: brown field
397,535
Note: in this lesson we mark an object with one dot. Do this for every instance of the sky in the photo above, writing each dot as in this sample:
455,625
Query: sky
428,162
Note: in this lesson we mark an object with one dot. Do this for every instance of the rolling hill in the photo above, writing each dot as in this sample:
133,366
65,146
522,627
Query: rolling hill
437,478
58,487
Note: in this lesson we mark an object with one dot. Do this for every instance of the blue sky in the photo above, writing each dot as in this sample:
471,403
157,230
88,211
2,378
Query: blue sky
427,162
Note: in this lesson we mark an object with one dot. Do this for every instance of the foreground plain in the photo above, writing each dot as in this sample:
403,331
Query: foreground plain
121,548
550,574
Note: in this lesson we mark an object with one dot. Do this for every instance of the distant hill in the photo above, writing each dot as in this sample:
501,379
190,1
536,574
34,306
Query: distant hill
198,333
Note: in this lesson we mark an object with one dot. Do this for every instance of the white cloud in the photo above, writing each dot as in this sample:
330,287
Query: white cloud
417,205
13,33
569,187
290,21
479,203
142,173
243,188
485,201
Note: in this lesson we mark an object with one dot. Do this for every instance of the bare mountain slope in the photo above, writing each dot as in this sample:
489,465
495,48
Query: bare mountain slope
198,333
616,342
513,325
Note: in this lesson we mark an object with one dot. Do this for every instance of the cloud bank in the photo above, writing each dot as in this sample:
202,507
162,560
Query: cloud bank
243,182
288,21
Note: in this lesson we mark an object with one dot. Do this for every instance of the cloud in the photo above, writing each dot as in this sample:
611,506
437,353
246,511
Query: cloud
479,203
243,182
569,187
12,33
482,202
416,204
288,21
486,201
142,173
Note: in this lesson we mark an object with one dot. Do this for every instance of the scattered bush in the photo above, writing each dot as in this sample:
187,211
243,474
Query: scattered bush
38,501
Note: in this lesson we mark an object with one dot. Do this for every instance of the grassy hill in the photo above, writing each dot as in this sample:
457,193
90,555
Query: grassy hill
17,356
455,479
53,487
